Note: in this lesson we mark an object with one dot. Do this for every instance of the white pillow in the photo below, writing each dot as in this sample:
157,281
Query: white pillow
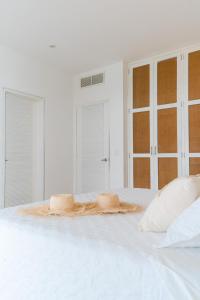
185,231
169,203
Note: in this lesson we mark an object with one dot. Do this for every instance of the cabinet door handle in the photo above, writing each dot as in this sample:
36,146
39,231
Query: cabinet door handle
151,150
155,150
104,159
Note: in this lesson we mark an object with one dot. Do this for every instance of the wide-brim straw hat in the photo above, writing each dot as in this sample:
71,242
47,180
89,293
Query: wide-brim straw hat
64,205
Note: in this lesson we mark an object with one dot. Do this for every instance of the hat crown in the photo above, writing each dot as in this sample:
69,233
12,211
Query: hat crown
108,200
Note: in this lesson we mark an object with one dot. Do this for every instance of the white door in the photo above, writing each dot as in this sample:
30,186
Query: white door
93,148
23,178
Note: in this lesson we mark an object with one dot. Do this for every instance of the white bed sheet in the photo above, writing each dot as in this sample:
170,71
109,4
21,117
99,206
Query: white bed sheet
92,258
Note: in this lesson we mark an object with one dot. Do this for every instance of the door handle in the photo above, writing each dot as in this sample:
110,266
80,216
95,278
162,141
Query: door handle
104,159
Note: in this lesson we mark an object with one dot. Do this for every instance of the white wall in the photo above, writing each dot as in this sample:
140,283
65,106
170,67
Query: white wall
28,75
111,90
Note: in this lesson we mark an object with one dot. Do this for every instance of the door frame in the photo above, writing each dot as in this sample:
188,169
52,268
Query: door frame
41,132
77,116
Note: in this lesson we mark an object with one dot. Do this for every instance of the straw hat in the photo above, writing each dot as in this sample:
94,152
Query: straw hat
61,202
64,205
108,200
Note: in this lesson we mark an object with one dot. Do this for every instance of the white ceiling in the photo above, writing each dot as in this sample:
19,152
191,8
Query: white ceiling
93,33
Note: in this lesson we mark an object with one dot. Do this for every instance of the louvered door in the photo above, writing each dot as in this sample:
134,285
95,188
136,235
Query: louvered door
24,149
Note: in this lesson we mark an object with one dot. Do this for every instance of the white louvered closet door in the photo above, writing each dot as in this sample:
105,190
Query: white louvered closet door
19,150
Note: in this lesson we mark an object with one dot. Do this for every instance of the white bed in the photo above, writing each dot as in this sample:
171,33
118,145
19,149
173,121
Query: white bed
92,258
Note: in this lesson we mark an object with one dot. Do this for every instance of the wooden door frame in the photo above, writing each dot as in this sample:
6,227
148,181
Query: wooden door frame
77,114
41,131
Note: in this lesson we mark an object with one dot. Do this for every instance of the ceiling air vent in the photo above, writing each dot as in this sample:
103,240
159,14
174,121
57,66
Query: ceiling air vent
98,78
86,81
92,80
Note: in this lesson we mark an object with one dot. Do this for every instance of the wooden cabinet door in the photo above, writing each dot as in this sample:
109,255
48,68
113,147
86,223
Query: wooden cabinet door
141,128
165,119
166,116
192,114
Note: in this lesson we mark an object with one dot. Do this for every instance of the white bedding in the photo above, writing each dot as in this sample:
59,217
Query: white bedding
92,258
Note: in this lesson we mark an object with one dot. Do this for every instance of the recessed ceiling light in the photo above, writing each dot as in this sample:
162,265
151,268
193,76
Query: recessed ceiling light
52,46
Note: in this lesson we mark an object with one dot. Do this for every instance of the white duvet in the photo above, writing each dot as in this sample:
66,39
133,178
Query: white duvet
92,258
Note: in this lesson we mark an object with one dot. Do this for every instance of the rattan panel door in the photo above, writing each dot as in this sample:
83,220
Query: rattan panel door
167,146
167,130
167,170
141,126
194,128
167,81
165,118
141,173
194,165
141,132
166,114
192,108
141,86
194,75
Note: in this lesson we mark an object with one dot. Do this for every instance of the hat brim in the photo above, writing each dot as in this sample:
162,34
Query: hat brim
81,209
